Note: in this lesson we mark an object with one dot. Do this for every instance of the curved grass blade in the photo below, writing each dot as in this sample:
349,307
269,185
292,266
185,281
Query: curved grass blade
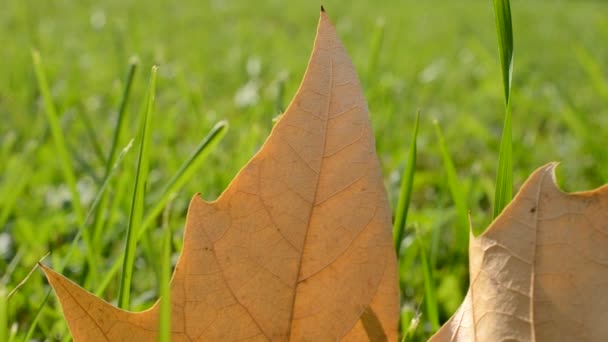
137,202
405,194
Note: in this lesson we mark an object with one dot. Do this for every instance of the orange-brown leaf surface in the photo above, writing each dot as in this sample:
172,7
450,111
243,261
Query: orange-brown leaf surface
298,247
540,272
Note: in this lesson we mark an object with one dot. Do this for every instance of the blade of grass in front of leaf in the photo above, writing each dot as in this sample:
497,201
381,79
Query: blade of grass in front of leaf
430,298
165,288
137,201
504,174
457,192
185,172
405,194
118,132
76,239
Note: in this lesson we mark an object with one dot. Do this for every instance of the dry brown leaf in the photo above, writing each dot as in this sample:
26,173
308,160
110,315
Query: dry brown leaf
540,272
298,246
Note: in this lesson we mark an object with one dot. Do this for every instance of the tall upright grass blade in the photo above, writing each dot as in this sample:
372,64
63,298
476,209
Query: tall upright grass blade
122,108
137,202
504,174
405,193
165,278
504,30
185,172
457,192
118,132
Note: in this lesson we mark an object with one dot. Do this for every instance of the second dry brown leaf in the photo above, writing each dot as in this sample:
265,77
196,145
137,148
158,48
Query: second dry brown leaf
298,246
540,272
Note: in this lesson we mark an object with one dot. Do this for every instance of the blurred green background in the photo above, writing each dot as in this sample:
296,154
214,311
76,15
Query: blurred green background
243,61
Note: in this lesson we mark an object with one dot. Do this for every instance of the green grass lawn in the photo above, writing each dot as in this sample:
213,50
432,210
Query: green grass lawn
242,61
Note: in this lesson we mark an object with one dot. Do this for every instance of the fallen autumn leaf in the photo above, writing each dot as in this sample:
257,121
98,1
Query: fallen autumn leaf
540,271
298,247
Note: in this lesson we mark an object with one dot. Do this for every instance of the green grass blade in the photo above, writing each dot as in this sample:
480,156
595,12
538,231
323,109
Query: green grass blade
430,298
504,30
504,174
405,194
185,172
58,137
98,222
456,190
121,114
165,289
137,202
